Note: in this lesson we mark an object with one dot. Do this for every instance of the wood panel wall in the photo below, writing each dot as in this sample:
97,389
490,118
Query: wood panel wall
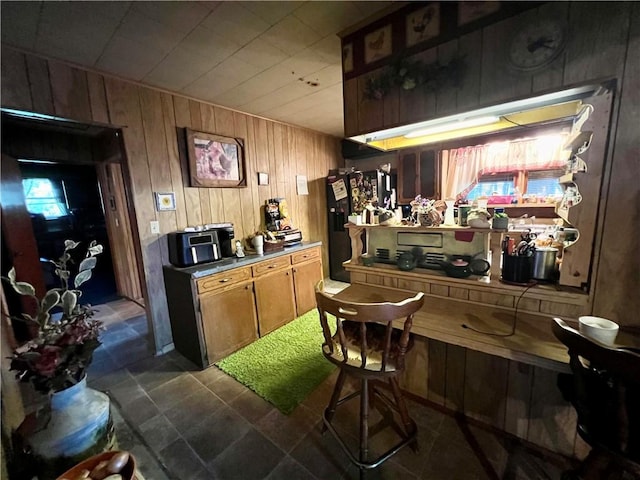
603,42
151,121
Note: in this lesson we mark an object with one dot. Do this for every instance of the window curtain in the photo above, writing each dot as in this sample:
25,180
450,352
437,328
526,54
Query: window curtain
463,166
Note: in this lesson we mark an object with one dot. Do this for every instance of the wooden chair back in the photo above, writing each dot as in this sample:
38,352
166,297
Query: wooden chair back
604,388
364,336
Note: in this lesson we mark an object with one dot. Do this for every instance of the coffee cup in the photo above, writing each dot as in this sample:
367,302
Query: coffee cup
598,328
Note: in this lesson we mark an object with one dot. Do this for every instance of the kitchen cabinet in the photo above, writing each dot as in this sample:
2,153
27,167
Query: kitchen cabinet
213,315
229,320
307,272
275,300
417,174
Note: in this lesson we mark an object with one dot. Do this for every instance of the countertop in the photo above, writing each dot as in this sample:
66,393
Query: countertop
228,263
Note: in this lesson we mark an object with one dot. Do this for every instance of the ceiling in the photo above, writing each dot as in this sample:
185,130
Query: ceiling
279,60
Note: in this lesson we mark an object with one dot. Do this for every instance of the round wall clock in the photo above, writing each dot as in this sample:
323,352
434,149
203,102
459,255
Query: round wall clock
537,45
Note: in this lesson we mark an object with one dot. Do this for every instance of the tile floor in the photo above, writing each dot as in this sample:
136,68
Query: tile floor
186,424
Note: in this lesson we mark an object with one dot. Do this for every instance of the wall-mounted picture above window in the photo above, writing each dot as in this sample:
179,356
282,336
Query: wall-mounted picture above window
347,58
215,161
423,24
470,11
377,44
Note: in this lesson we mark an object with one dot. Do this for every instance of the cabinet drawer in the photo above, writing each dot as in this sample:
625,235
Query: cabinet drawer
224,279
305,255
270,266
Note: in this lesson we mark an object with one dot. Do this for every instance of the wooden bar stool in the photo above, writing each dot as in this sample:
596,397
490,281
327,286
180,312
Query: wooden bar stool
365,346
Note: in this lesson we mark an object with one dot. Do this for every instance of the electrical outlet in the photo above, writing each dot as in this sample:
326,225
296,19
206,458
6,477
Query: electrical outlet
155,227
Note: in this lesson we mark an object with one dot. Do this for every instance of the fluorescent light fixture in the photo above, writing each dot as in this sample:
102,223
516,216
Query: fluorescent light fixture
454,125
454,122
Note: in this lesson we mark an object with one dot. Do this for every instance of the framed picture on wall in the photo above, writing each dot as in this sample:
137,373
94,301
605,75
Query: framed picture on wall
423,24
347,57
377,44
215,161
165,201
470,11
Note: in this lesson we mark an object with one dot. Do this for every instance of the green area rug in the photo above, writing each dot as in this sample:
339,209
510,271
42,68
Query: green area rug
284,366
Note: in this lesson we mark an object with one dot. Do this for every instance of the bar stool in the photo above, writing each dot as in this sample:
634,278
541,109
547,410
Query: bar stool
365,346
604,388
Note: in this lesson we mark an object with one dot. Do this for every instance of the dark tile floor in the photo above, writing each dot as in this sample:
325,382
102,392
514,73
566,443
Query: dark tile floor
183,424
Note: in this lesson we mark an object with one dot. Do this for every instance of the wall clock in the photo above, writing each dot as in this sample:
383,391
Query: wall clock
537,45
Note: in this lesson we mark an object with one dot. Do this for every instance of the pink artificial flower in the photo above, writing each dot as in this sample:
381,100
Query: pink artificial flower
47,363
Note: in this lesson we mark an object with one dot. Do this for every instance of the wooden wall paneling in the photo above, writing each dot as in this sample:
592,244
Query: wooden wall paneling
173,159
597,40
470,46
485,387
291,160
257,199
246,205
124,106
417,104
415,376
279,161
498,81
351,102
230,196
437,372
551,77
40,85
391,108
97,98
70,91
370,112
455,377
446,95
213,195
182,110
203,193
15,80
519,382
158,164
261,164
615,283
271,161
552,420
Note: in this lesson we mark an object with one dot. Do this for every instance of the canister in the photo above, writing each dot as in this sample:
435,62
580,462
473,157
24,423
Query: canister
544,263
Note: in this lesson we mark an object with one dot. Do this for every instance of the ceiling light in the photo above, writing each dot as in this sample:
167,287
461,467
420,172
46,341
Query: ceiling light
454,125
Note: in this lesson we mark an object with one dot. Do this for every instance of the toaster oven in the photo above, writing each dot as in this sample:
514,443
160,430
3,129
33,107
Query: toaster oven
191,248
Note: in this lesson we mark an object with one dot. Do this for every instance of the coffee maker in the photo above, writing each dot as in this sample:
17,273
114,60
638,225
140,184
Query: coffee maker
276,218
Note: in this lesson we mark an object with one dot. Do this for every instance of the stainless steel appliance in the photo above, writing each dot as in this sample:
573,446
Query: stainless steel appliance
347,193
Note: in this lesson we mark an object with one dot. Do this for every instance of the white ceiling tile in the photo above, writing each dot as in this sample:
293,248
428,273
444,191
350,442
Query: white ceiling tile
79,41
275,99
203,41
180,16
271,12
329,48
290,35
147,31
327,17
261,54
221,78
128,59
233,21
20,23
367,9
179,69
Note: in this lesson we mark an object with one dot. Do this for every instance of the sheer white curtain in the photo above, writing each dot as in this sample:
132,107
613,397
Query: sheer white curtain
462,167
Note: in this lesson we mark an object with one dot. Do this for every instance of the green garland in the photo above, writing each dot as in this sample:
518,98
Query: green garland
408,74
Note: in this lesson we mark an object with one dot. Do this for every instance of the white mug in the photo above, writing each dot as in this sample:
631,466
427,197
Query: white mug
258,244
599,329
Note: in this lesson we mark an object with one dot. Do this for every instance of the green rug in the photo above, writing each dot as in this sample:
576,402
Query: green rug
284,366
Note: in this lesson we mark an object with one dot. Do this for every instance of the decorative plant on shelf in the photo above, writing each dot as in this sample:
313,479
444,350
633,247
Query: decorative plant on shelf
428,212
58,357
409,74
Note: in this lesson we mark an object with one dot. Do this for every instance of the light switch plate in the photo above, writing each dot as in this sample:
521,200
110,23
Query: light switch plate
155,227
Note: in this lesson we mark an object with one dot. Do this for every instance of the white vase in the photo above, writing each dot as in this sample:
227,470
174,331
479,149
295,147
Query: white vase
77,426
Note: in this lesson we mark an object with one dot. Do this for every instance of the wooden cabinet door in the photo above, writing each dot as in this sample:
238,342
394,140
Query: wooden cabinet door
417,175
305,277
407,173
228,321
274,300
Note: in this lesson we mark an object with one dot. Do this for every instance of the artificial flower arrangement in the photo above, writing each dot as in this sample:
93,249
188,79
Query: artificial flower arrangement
67,336
428,212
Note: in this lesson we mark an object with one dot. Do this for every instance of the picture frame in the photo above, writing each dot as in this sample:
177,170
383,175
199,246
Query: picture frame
423,24
378,44
165,201
469,11
263,178
347,57
215,160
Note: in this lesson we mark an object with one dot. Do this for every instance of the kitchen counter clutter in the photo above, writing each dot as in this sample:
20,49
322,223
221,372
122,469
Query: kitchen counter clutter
218,308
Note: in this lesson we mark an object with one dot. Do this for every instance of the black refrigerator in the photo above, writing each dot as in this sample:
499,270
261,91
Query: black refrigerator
347,193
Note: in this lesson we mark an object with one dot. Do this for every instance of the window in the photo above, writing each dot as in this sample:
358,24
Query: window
45,197
539,183
489,185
